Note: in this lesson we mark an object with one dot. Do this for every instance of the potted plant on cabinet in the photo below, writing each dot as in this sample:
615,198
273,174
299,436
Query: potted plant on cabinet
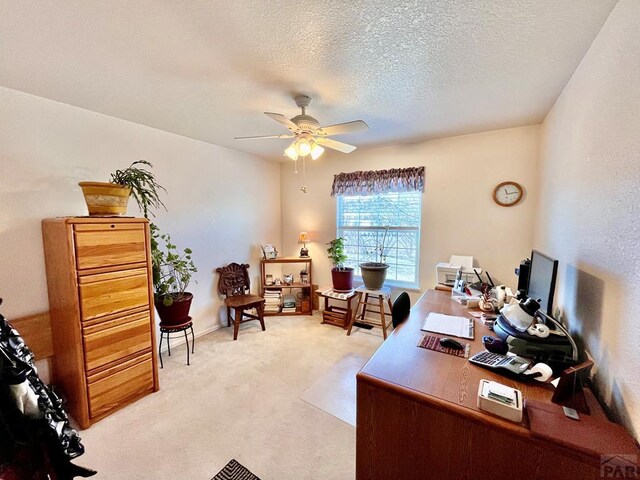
172,272
111,198
375,273
341,276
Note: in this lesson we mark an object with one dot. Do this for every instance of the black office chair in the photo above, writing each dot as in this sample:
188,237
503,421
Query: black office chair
400,309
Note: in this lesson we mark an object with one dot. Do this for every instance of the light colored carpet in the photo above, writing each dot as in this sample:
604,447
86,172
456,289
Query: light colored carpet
237,400
335,391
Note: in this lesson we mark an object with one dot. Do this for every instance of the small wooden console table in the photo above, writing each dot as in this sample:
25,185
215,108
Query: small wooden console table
337,315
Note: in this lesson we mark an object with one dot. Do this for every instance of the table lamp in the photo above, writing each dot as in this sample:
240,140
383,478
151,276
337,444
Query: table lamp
304,238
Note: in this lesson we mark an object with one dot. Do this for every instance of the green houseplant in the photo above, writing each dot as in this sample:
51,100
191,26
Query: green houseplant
111,198
172,273
144,187
341,276
374,273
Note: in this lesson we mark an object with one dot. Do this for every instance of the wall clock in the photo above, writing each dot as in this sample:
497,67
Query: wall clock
507,194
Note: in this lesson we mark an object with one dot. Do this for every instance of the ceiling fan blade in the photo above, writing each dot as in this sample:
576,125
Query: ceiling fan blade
335,145
342,128
264,136
281,119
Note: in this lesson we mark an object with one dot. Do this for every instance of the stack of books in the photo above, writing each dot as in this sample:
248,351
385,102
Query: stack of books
272,301
289,304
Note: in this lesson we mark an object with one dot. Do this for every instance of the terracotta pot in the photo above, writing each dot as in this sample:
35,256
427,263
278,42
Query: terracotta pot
105,198
373,274
342,279
177,312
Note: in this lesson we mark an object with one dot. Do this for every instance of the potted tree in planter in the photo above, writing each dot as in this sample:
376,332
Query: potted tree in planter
341,276
375,273
172,272
111,198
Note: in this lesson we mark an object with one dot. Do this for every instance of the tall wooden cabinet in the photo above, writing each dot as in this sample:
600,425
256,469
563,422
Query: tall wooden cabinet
101,302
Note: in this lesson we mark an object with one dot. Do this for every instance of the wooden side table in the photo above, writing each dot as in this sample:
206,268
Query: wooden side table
334,314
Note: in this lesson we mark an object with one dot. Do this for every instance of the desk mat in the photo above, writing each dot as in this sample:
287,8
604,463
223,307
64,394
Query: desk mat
432,342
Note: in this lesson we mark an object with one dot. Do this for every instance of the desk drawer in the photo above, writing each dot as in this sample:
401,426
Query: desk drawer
113,340
109,391
106,245
106,293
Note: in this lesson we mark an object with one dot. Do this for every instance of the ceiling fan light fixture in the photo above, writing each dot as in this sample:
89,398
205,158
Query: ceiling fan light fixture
291,151
310,138
303,147
316,150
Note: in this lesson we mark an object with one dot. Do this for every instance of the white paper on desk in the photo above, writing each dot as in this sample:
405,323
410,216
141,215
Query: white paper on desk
449,325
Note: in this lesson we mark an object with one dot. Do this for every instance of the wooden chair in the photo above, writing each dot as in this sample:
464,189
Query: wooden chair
234,284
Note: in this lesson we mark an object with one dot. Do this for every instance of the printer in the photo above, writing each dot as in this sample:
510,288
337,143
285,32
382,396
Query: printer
446,272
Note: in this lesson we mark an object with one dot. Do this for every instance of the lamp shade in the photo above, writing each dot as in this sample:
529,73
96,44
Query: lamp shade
316,151
303,237
303,146
291,152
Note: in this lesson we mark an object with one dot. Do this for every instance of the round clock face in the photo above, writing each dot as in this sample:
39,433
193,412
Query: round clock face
507,194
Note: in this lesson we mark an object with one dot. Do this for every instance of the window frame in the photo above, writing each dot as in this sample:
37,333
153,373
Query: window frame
418,233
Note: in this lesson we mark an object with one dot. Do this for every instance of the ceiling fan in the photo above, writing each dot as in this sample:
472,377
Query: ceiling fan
309,136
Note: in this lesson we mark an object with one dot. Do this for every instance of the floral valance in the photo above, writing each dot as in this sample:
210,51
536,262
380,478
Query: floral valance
379,181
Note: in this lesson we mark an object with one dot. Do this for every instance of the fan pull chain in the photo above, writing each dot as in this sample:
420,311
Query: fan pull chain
303,188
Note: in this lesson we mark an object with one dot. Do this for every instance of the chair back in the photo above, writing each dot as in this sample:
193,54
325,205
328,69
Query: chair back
234,279
400,309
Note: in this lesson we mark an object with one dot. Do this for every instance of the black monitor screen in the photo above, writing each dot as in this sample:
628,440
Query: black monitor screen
542,280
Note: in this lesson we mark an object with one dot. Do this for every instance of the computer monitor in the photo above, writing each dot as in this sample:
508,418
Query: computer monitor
542,280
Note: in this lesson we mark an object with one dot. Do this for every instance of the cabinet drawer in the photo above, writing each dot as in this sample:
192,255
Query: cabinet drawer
109,392
107,293
110,341
105,245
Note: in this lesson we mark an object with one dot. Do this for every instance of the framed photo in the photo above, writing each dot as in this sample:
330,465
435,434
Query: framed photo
269,251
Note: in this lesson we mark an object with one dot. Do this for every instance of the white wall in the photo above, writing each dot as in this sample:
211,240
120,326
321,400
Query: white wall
459,215
589,205
220,202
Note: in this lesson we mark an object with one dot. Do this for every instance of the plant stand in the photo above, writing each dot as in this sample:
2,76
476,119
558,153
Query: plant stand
334,314
380,297
187,325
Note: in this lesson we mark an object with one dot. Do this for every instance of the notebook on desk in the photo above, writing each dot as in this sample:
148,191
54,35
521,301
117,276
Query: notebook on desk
449,325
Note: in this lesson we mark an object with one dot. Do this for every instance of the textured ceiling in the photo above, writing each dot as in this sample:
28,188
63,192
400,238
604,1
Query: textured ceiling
207,69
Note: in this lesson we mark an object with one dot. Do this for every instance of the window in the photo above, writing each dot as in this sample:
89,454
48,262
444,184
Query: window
362,221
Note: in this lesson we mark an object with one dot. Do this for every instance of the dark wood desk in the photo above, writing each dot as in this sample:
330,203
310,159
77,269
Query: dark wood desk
417,416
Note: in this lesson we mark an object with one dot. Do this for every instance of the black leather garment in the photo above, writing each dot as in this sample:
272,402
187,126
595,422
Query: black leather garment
52,430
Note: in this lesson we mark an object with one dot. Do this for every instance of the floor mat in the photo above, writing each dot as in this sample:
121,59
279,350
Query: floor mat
335,391
234,471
